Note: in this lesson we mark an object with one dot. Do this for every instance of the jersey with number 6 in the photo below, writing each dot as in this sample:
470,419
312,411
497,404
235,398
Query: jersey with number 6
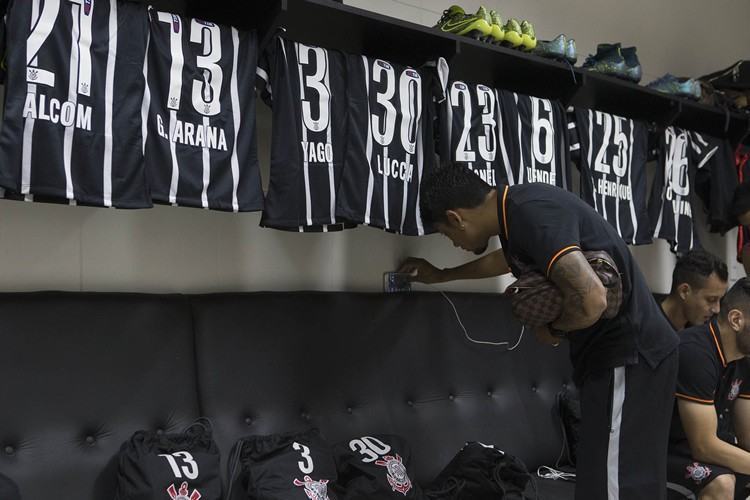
389,147
200,141
306,88
534,136
470,125
72,125
613,170
681,153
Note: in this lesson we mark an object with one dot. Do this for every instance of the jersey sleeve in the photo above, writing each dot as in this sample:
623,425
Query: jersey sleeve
544,230
697,377
715,185
263,71
701,149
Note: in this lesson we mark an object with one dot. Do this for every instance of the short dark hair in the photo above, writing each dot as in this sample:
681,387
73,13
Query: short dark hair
740,200
695,267
738,297
448,188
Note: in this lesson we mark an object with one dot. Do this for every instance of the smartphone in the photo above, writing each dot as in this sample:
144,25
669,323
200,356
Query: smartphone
396,282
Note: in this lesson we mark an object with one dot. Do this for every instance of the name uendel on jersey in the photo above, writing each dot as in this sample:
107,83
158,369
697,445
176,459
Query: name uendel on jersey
193,134
66,113
394,168
614,190
536,175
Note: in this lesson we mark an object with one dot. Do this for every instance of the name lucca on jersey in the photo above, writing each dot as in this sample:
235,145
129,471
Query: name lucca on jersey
192,134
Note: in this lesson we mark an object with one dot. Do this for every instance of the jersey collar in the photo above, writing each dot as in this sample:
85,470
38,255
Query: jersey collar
713,328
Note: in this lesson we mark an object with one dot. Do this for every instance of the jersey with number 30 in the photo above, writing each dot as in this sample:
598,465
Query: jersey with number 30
200,141
681,153
72,125
388,151
613,170
534,134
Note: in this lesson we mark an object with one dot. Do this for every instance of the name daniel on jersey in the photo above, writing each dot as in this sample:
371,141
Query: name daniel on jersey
192,134
66,113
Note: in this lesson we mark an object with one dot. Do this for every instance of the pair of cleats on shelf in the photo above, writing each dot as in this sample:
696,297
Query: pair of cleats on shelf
561,48
488,26
614,60
677,86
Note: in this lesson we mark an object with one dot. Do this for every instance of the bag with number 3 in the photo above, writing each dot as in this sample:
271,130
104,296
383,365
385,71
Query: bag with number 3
375,467
294,465
181,466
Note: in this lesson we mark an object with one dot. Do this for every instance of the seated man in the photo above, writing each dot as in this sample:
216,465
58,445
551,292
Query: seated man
699,280
713,390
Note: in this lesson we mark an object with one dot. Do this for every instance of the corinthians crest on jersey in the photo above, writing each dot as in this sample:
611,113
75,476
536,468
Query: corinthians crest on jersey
182,493
397,476
315,490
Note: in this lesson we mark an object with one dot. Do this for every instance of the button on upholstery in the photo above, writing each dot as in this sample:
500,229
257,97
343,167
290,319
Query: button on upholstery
451,397
349,410
248,421
9,450
90,440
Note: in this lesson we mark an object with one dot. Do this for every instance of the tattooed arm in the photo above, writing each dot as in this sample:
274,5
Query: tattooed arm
584,296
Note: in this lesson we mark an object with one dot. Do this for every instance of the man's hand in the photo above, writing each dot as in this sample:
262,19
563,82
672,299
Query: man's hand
544,336
422,271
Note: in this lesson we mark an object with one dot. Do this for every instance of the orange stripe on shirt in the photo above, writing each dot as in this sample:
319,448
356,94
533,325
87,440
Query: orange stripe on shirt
697,400
558,255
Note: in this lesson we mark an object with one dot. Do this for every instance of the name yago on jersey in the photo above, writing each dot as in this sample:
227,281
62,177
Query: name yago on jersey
193,134
66,113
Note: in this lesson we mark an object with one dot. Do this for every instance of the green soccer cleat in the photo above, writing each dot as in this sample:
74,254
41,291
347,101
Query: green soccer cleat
455,20
513,35
552,49
571,53
528,37
498,33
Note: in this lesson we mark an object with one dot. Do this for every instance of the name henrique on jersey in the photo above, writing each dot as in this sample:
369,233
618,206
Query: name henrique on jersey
533,133
470,119
388,151
306,88
199,111
612,162
72,126
681,153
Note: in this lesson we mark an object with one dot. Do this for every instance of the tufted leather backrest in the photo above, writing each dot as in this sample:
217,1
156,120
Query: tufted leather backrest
356,364
80,372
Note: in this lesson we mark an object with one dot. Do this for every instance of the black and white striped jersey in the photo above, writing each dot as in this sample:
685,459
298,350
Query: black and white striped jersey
390,147
306,89
470,124
534,136
612,159
199,114
72,125
681,154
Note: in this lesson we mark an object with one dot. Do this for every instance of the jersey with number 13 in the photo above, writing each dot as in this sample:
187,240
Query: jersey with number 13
72,125
200,140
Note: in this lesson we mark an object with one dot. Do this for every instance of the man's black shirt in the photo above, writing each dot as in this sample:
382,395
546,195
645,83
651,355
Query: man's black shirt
538,225
705,377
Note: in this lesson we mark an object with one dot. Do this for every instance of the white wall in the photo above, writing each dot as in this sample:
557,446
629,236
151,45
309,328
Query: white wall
188,250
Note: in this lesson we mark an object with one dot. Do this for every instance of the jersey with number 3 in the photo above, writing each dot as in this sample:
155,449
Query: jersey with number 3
469,119
72,125
613,170
201,147
388,151
681,153
534,134
306,88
